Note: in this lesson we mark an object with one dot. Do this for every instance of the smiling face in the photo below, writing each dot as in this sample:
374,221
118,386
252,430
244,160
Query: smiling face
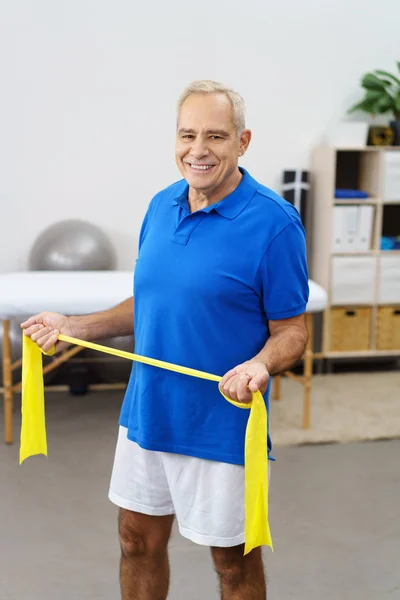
208,145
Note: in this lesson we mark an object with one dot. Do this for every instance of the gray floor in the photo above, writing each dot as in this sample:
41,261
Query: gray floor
334,515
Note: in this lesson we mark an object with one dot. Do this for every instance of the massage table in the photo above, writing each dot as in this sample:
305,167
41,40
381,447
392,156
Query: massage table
84,292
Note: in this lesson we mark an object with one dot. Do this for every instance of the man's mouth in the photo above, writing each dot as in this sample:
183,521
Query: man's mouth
200,167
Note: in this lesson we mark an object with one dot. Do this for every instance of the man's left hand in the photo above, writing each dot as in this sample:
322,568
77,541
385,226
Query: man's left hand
239,383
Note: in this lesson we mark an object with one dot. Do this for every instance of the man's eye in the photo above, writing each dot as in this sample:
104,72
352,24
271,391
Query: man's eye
216,137
188,136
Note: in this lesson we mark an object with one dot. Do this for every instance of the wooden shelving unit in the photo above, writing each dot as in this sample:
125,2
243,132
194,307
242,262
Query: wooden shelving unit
363,286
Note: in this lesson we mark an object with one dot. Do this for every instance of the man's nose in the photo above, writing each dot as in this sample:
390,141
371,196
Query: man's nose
199,148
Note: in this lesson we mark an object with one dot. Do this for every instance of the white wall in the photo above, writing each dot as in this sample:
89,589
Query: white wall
88,92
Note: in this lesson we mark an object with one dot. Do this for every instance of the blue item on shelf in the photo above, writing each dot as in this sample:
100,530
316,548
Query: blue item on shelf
388,243
358,194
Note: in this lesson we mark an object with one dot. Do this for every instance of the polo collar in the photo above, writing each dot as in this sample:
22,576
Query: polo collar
230,206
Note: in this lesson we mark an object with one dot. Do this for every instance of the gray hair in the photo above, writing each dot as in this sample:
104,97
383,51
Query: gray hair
213,87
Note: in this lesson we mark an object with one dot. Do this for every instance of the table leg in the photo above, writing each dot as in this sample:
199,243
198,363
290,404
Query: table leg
308,371
276,387
7,384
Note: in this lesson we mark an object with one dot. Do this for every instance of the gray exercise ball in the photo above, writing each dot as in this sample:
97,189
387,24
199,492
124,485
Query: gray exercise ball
114,369
72,245
16,349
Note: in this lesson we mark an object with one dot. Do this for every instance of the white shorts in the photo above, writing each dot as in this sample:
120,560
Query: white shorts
207,497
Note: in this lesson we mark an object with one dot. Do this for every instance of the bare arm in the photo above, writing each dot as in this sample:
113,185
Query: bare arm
45,327
284,347
113,322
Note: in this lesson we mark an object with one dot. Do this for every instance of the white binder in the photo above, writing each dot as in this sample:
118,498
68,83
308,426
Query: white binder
352,228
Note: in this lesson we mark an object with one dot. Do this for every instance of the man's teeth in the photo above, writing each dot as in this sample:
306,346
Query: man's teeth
201,167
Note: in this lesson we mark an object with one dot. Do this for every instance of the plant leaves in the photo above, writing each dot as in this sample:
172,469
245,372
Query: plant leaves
373,94
386,74
371,101
366,105
385,103
397,101
372,82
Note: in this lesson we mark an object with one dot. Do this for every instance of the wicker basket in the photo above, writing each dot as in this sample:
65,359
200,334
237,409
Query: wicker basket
350,328
388,328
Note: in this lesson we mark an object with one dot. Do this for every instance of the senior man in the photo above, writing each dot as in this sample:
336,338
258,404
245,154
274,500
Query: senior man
220,285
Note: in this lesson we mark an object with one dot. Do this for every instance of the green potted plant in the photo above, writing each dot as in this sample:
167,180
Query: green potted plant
382,95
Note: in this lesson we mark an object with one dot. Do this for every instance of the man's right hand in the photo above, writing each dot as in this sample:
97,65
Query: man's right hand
45,327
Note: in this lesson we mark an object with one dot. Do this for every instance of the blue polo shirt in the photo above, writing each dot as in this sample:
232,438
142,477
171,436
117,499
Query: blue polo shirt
205,286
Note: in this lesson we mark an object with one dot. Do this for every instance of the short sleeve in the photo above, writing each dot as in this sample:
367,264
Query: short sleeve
284,274
145,222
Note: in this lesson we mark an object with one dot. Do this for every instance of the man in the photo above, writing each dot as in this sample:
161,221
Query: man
220,285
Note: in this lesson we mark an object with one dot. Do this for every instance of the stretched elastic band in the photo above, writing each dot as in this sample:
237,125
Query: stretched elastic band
34,438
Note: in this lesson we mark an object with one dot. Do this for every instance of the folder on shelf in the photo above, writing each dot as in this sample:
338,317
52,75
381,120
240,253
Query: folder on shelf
366,220
352,228
352,221
345,224
338,229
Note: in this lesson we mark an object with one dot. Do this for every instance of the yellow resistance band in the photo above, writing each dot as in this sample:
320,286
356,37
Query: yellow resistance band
34,441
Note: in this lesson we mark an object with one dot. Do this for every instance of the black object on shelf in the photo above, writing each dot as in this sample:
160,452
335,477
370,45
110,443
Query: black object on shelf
295,187
395,125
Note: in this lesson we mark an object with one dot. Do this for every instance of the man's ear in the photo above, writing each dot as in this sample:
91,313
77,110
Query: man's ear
244,141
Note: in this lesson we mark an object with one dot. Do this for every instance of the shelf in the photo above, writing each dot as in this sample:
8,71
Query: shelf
346,201
361,353
348,274
368,253
361,253
357,171
367,148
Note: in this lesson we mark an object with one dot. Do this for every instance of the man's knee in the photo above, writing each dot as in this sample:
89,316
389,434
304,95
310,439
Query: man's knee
132,544
229,563
233,567
142,535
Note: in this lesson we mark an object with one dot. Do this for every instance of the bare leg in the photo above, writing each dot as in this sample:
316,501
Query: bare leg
241,577
144,570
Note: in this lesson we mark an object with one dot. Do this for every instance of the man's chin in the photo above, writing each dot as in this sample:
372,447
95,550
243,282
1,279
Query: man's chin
199,186
200,181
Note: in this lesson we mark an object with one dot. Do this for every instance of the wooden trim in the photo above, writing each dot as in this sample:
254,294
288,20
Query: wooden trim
363,354
16,364
276,387
54,364
7,383
308,371
294,377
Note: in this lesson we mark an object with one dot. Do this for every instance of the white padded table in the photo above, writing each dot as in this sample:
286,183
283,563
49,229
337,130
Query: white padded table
66,292
318,298
83,292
